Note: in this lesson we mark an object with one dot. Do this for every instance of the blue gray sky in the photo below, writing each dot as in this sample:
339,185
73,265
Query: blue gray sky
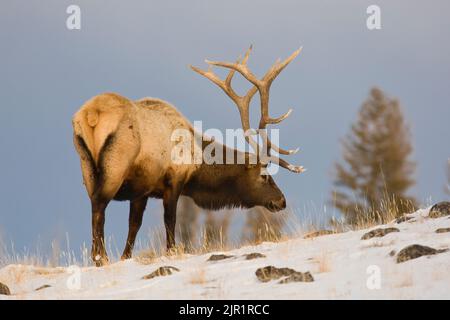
143,48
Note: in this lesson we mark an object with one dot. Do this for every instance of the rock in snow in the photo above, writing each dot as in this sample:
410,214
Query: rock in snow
269,273
160,272
218,257
402,219
254,255
415,251
442,230
380,232
4,290
440,209
319,233
298,277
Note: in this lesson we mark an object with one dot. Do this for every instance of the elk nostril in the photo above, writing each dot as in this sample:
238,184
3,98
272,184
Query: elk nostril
278,204
282,203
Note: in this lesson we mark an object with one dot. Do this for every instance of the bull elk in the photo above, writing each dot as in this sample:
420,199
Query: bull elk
125,154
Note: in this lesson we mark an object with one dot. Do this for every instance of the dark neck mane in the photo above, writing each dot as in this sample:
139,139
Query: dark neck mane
214,186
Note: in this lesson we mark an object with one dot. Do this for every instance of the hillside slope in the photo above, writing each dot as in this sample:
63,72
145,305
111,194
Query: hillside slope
343,266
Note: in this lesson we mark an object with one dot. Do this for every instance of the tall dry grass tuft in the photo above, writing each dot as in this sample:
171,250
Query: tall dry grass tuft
55,256
262,225
389,208
147,256
323,262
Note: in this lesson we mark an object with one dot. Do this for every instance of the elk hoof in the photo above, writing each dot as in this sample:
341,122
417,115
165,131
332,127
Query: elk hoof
100,260
125,256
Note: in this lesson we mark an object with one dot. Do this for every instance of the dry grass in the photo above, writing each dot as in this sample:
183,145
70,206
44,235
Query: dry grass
323,262
154,247
146,257
177,252
19,273
198,276
390,208
48,271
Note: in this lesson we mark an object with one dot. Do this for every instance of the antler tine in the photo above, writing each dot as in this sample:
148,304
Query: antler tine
270,145
274,147
224,85
229,78
267,80
240,67
284,164
247,54
280,162
279,66
230,74
277,160
264,89
280,118
243,102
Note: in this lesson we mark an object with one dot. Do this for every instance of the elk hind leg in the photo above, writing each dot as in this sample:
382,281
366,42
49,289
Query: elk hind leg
114,161
98,251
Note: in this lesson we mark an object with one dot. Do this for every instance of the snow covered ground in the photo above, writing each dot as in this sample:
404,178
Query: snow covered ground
343,267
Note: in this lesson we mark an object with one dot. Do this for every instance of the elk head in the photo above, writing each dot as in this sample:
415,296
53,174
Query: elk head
258,183
257,189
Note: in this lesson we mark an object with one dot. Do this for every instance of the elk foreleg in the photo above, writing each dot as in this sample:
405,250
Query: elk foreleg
137,208
170,200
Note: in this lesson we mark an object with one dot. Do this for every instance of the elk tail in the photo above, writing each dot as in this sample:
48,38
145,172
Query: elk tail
92,118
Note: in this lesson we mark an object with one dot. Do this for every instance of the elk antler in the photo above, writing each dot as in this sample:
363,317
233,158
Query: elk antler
243,102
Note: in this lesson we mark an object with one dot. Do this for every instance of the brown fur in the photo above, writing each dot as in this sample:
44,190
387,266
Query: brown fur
125,153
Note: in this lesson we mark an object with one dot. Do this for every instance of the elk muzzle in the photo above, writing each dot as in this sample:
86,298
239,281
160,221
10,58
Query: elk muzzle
276,205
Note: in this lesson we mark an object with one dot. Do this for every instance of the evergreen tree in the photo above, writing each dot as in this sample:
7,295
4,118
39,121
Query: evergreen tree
376,171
